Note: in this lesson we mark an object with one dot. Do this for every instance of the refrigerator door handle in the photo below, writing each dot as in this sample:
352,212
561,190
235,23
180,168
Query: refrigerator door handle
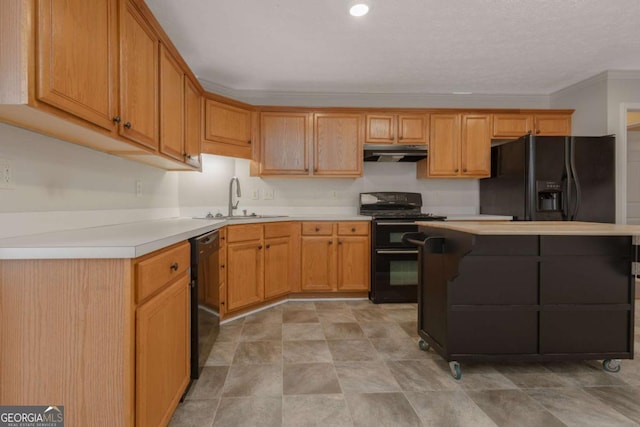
567,182
576,180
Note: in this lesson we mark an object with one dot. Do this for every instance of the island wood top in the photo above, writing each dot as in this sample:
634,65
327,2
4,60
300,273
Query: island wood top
565,228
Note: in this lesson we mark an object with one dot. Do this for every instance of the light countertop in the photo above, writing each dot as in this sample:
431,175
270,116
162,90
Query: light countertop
479,217
129,240
568,228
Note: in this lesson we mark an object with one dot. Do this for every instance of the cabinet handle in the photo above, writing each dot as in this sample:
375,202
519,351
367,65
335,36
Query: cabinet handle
464,170
529,131
221,302
317,228
353,230
339,242
222,238
175,266
537,131
117,119
391,138
306,169
127,125
456,170
331,242
259,247
315,169
222,266
401,137
268,246
249,142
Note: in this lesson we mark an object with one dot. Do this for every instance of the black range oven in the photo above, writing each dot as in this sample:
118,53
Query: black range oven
394,266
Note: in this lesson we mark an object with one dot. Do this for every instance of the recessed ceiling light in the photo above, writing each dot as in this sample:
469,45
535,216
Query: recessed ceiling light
359,9
462,93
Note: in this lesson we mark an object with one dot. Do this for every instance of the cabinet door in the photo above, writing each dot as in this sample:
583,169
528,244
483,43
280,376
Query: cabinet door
338,144
318,263
444,145
162,353
512,125
171,106
192,123
476,145
380,128
278,263
77,48
552,124
138,79
244,274
284,142
353,263
413,129
227,124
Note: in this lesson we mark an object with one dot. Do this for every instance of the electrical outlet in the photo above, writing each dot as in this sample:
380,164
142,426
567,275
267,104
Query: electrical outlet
6,174
255,194
333,194
138,188
268,194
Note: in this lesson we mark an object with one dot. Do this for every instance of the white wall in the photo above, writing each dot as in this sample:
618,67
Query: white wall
53,175
633,177
589,100
200,193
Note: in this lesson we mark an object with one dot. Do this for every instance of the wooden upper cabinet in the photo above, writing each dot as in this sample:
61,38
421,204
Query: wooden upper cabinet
171,106
459,146
552,124
284,143
227,124
337,144
475,145
444,145
396,128
139,79
192,123
516,125
76,68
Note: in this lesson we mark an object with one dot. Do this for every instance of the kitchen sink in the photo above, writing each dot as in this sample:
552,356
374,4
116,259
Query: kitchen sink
238,217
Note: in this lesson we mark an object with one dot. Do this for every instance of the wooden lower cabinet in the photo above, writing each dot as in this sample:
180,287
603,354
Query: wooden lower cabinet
277,266
245,284
338,260
162,353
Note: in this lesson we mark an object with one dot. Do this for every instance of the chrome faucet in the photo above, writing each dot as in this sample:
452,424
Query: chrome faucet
238,194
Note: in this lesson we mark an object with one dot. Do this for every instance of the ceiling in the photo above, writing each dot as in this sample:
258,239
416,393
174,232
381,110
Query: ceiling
532,47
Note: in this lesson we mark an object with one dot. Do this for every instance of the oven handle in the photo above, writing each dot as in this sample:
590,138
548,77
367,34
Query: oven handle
396,223
378,251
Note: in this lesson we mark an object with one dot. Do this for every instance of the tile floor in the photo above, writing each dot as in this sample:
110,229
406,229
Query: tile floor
354,363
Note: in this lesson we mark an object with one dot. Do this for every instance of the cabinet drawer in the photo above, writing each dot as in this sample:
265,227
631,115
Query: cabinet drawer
353,228
277,229
240,233
317,228
156,271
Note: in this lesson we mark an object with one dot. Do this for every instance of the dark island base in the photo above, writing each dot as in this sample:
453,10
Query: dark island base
526,298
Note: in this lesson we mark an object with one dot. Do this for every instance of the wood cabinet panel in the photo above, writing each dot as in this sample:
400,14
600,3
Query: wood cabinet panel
154,272
138,79
192,123
512,125
162,353
476,145
347,228
245,282
278,264
171,106
227,124
444,145
380,128
324,228
396,128
552,124
318,263
76,69
413,129
338,144
284,143
353,263
238,233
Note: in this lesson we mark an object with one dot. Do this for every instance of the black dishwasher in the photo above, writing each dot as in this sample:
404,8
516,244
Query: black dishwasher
205,322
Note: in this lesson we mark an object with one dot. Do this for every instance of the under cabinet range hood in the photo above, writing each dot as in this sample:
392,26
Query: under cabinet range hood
394,153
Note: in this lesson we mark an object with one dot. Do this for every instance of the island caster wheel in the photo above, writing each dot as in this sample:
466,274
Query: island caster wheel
423,345
454,367
611,365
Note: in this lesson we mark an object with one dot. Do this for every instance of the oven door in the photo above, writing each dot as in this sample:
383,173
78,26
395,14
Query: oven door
395,275
388,233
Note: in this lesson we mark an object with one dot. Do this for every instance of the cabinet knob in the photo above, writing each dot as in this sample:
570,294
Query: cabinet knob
268,246
391,138
259,247
315,169
306,169
537,131
317,228
127,125
401,137
221,302
339,242
529,131
353,229
117,119
175,266
222,238
464,170
331,242
249,142
456,170
222,266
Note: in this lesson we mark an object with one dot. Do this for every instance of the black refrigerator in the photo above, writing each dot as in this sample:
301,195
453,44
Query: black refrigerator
552,178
